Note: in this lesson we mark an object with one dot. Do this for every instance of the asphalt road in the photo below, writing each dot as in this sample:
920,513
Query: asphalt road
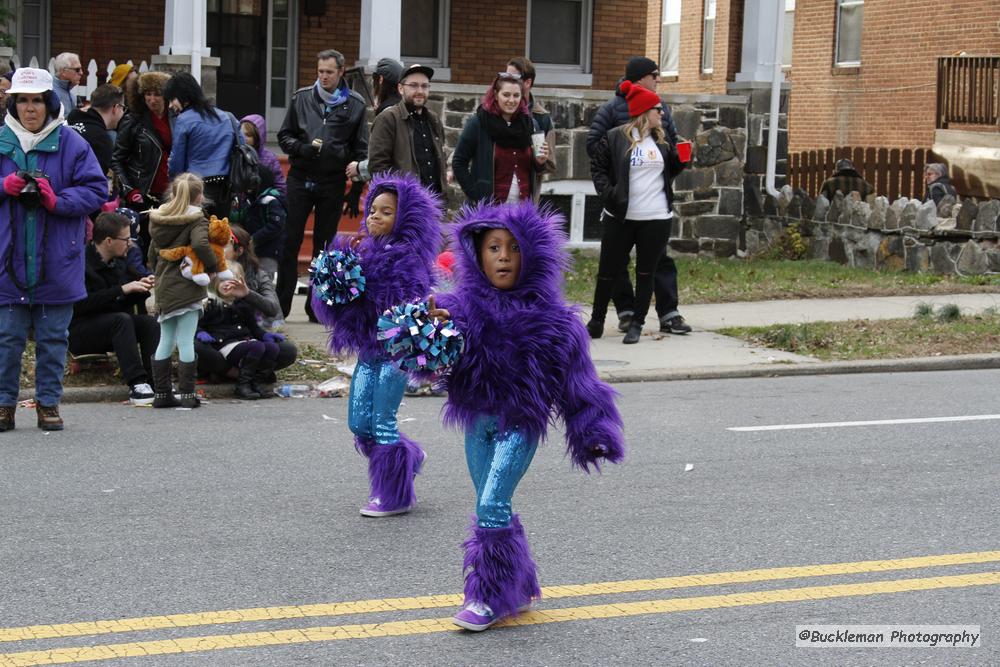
134,513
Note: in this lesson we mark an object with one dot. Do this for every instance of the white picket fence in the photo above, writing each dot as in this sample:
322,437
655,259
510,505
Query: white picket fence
92,79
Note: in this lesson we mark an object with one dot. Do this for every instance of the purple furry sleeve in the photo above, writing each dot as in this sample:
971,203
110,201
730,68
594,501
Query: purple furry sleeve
587,406
393,275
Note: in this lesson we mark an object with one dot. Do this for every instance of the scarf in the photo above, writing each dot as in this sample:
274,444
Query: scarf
31,139
336,97
515,134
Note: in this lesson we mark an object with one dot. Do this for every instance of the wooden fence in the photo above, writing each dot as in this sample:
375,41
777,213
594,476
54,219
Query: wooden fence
968,91
894,172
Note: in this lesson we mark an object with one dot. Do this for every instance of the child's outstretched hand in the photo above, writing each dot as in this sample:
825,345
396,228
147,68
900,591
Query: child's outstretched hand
434,312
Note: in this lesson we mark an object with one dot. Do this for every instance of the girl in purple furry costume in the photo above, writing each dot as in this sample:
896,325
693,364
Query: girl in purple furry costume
397,245
526,354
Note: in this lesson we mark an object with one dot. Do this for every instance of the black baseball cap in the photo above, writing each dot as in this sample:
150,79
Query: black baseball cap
416,68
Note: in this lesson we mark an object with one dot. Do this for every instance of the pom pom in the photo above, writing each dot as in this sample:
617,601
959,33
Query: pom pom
337,277
417,343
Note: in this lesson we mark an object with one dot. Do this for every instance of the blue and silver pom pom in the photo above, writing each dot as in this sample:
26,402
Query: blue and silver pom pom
337,277
416,342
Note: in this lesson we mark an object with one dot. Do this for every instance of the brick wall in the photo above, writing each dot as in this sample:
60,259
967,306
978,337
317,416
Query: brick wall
620,32
339,29
108,30
890,100
484,36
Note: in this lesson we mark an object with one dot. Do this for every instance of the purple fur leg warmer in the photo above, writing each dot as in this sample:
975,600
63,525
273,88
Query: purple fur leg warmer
364,446
391,469
499,570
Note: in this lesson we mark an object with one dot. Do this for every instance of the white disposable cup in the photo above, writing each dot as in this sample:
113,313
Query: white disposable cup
537,141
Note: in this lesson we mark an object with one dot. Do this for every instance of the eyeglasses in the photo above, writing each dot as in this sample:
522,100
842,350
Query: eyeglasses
78,70
417,86
508,76
659,109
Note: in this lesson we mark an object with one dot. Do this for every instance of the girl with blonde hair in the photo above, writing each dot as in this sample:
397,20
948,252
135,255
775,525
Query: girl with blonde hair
178,222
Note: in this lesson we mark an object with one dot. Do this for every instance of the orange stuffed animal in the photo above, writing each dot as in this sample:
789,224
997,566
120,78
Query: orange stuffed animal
192,267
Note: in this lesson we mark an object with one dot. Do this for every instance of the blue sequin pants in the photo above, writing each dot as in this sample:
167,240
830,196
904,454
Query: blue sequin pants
497,460
376,392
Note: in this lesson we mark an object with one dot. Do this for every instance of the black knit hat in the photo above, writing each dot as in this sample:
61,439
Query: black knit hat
638,67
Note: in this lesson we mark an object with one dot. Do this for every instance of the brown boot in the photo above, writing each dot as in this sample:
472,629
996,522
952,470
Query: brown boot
48,418
7,418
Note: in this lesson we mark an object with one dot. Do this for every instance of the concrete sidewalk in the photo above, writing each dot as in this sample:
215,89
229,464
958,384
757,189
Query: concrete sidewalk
702,354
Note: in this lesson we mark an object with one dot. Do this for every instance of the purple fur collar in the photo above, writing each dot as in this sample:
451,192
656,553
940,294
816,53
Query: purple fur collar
397,267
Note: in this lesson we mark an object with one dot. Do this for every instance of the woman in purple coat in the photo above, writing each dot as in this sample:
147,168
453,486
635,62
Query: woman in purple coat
526,355
51,182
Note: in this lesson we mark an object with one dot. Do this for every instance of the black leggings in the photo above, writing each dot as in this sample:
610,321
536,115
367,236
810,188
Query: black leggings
649,237
256,351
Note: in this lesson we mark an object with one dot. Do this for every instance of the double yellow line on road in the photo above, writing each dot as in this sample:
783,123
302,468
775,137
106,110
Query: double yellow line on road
432,625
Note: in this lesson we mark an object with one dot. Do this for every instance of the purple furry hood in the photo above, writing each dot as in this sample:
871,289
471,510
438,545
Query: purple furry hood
527,353
397,267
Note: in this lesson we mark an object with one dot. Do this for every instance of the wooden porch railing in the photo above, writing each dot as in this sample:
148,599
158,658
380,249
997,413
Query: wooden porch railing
968,91
894,172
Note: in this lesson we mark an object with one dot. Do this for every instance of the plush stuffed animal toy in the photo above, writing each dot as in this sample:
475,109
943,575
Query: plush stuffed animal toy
192,267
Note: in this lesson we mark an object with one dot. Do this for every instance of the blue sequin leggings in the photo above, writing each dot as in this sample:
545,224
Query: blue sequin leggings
497,460
376,391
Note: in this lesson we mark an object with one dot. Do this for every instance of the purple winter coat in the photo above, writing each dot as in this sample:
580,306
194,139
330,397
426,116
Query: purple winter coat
54,274
266,157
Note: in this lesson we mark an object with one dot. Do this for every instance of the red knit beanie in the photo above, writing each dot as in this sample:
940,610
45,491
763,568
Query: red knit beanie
640,100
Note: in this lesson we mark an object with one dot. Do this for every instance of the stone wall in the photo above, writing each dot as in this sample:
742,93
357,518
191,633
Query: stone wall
709,196
960,237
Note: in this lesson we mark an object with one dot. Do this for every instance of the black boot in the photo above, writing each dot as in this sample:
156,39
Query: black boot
634,333
263,380
163,392
244,382
187,371
595,328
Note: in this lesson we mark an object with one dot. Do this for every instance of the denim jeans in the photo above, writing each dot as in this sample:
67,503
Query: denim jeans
51,325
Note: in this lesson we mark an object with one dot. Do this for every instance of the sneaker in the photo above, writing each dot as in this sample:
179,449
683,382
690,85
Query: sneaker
374,508
595,328
674,325
633,335
475,616
141,394
624,320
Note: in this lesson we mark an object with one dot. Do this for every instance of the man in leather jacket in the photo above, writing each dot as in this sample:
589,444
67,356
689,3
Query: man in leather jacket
325,129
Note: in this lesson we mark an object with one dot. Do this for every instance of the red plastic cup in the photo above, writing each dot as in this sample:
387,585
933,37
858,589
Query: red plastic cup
684,151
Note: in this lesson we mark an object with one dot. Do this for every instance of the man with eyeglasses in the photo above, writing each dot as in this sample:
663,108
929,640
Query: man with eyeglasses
69,72
96,123
408,137
106,321
614,112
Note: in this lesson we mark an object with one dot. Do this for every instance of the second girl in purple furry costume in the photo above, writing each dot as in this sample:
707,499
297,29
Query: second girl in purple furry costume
526,354
399,240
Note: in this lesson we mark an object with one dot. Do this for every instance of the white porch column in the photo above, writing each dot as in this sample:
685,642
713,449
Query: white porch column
184,32
380,34
759,21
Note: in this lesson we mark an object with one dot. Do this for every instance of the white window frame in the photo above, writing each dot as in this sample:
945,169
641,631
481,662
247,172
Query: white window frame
709,13
789,36
442,70
566,75
836,44
674,19
275,115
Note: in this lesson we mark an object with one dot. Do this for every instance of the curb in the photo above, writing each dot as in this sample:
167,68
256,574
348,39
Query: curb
967,362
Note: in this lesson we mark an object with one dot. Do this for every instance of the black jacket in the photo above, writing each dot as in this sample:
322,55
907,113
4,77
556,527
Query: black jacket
264,218
613,113
137,152
609,168
344,131
91,127
104,288
228,323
